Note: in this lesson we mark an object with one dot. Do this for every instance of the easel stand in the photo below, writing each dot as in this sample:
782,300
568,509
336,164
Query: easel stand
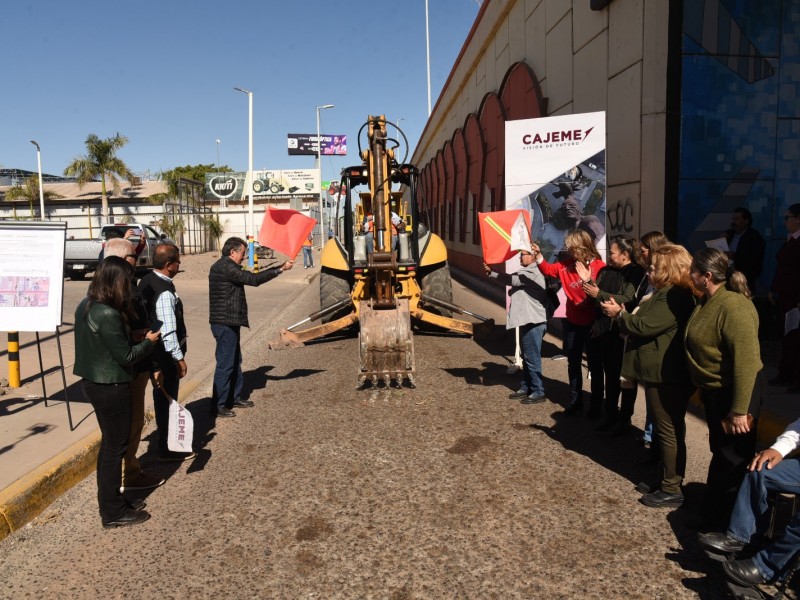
63,374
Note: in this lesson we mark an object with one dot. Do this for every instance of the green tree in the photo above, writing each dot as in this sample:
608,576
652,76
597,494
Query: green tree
214,228
29,190
101,161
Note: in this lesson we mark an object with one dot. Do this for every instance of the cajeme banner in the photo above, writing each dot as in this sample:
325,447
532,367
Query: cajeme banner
556,170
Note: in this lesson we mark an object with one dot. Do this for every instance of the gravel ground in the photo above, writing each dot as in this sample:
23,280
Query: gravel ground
450,490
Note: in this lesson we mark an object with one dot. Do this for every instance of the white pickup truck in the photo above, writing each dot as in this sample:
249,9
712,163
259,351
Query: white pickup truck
83,256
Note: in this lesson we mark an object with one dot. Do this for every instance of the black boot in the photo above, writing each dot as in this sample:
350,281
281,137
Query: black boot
575,408
622,427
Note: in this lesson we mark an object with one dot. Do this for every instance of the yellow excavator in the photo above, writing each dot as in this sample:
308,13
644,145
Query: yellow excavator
383,268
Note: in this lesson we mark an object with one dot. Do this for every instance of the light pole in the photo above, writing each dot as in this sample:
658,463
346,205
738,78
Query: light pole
249,179
319,178
217,154
41,190
428,53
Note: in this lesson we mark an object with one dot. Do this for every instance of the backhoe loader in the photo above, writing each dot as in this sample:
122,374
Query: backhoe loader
384,268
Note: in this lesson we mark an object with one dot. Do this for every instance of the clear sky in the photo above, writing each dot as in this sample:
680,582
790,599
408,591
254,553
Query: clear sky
162,73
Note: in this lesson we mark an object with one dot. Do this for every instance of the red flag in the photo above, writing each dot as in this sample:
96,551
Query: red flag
285,230
496,234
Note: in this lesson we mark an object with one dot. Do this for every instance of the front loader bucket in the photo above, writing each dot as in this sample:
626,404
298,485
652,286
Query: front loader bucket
386,344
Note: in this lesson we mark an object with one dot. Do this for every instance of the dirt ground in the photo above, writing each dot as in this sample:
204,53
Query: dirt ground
450,490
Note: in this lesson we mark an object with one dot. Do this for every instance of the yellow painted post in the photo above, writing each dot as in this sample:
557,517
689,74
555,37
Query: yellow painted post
13,359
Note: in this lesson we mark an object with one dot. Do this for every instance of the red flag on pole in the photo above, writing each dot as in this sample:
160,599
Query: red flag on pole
285,230
496,229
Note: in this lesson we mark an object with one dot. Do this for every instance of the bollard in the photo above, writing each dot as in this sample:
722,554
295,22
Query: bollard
255,262
13,359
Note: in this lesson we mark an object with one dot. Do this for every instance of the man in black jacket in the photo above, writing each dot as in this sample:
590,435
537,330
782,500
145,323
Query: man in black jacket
227,313
746,246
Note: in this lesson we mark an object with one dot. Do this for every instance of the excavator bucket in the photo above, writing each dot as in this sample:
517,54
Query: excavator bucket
386,344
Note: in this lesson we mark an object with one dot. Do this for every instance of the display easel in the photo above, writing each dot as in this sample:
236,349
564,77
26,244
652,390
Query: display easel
63,374
32,285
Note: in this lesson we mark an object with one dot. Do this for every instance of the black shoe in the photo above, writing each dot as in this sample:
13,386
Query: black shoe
648,487
136,504
242,403
142,481
574,408
175,456
534,399
225,412
719,543
595,411
743,572
662,499
131,517
518,394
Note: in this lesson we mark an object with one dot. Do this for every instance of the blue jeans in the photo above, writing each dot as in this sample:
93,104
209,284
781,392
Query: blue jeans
308,260
228,378
530,340
575,337
750,514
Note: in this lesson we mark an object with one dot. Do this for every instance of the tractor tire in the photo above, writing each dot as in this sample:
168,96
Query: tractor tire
332,289
258,186
275,188
439,285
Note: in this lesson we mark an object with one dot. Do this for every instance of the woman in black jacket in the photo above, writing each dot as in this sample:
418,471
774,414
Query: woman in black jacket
103,359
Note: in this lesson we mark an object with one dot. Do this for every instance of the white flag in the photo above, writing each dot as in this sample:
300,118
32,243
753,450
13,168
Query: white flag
520,236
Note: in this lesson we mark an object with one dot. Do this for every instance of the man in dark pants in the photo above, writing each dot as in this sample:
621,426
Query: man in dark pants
169,364
227,312
770,470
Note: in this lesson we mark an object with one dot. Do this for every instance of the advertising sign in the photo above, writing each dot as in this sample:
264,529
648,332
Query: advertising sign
306,144
556,170
279,185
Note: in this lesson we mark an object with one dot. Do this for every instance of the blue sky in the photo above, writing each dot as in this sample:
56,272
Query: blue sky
162,73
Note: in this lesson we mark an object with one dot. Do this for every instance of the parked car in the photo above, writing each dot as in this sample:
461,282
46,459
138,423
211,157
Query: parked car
83,256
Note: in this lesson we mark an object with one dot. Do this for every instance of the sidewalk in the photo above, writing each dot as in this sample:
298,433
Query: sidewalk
40,455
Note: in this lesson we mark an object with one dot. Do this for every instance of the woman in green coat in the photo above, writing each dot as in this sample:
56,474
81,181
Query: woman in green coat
654,356
103,359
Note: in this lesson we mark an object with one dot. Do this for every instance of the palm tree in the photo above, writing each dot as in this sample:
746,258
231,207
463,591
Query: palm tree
29,190
101,161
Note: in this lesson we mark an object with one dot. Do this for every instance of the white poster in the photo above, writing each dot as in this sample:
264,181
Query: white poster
31,275
556,169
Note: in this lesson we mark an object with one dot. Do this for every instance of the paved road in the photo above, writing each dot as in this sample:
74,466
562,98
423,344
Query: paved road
321,491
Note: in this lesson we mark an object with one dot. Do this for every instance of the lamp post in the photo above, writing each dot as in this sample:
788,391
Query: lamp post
428,54
217,154
41,190
319,178
249,178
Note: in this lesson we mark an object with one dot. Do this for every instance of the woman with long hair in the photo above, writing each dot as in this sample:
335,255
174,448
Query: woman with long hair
619,280
103,359
654,356
580,307
724,359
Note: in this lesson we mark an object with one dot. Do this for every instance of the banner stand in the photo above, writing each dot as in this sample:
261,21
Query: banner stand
63,374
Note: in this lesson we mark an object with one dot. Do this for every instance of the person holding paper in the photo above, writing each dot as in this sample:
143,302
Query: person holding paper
745,246
227,313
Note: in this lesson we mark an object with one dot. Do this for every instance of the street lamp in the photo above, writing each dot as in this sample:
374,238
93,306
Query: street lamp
217,154
249,178
41,190
428,53
319,178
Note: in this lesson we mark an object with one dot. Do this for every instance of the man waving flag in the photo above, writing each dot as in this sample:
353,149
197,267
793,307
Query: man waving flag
284,230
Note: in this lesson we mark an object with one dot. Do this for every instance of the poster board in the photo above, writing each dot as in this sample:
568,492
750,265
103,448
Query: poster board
556,170
31,275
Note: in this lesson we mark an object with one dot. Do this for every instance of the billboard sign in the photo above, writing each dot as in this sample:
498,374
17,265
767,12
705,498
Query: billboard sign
278,185
305,144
